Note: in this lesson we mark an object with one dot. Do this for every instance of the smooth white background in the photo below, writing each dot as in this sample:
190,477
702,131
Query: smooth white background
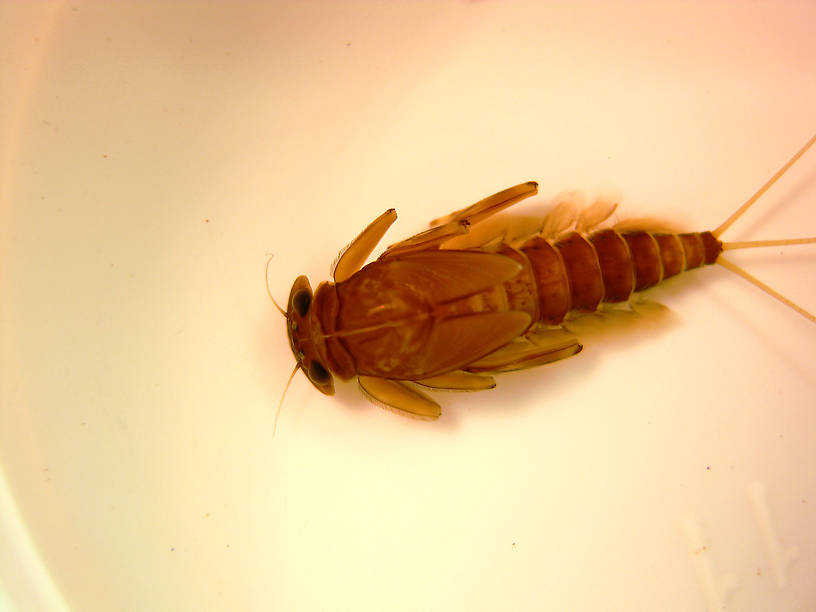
153,154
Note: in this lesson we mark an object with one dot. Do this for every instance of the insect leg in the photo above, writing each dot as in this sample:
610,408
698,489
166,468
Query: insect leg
533,349
354,255
458,223
490,205
429,239
399,396
458,381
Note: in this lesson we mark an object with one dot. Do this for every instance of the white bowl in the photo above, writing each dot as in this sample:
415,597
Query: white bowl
155,154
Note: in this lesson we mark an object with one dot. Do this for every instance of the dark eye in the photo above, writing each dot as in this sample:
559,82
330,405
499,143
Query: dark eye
318,373
301,302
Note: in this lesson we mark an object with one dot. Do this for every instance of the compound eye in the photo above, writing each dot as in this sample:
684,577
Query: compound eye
301,302
318,373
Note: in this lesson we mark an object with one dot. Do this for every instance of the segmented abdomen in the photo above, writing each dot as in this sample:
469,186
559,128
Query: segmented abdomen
579,272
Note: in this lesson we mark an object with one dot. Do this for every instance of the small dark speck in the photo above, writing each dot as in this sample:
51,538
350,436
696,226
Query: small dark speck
206,220
206,515
105,156
82,424
759,571
348,43
172,549
708,467
514,543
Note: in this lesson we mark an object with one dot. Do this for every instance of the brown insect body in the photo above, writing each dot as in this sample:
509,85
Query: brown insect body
420,313
389,314
431,313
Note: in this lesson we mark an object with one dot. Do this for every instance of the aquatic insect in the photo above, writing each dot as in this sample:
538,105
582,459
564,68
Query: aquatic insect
465,300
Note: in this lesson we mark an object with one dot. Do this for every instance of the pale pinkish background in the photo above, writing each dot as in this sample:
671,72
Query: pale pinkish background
152,154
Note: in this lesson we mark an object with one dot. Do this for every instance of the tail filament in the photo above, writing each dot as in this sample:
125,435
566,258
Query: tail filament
728,265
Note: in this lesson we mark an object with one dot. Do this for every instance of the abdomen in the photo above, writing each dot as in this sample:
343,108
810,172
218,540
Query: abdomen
580,272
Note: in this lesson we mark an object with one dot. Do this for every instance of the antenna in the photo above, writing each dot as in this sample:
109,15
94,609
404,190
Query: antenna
268,292
280,404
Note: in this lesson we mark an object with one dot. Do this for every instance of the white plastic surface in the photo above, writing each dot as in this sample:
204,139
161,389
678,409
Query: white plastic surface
153,154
